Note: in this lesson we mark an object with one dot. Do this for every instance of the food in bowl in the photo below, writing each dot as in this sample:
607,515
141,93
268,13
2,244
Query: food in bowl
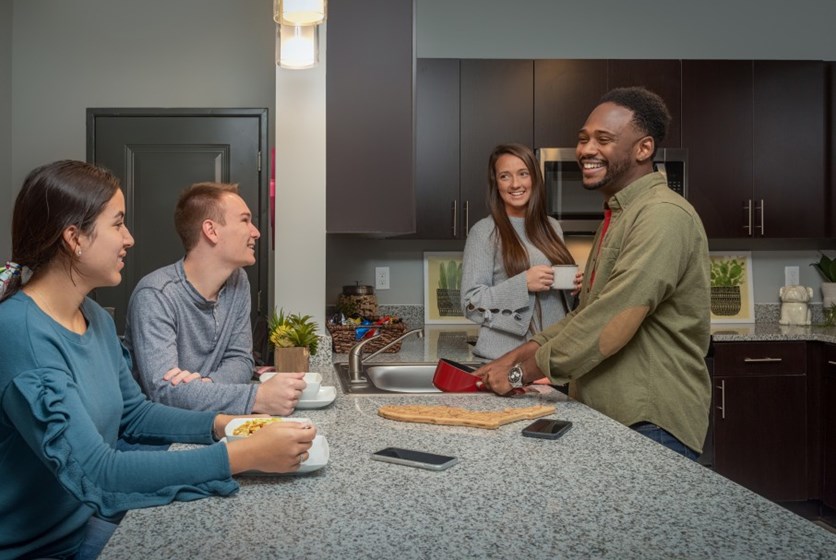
249,427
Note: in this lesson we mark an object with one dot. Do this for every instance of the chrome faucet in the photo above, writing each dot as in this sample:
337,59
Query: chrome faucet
356,358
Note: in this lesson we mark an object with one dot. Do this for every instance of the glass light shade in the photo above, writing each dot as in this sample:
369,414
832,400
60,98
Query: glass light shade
298,46
299,12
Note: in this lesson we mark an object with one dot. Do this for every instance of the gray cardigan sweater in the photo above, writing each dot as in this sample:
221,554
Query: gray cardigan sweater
171,325
502,306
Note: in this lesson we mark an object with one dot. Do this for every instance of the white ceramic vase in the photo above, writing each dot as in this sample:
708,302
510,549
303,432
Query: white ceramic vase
828,294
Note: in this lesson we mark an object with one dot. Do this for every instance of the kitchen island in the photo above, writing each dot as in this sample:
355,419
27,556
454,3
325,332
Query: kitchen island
600,491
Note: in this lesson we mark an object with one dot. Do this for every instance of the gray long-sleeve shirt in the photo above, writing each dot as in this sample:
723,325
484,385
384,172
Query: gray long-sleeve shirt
171,325
502,306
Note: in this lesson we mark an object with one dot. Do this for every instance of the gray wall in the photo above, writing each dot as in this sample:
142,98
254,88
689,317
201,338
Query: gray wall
5,128
68,56
734,29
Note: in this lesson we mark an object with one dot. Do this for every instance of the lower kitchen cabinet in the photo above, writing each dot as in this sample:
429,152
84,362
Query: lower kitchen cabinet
760,417
828,403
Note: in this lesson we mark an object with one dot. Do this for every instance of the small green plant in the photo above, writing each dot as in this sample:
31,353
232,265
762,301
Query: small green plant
293,330
450,275
826,267
727,272
830,316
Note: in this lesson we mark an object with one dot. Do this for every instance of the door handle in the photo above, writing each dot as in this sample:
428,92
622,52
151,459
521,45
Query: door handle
722,407
466,217
747,206
455,217
762,360
762,227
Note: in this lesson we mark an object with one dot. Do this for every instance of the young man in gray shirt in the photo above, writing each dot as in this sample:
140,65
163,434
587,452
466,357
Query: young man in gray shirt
188,326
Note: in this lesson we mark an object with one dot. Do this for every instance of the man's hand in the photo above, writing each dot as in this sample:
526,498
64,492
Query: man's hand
495,374
279,394
176,376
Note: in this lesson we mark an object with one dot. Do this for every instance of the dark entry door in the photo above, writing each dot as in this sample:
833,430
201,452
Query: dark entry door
157,153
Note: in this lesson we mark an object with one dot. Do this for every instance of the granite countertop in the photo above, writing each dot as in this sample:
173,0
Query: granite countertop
743,332
600,491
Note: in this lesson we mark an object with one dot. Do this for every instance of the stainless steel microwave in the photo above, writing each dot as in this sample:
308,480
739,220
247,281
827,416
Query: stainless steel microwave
579,210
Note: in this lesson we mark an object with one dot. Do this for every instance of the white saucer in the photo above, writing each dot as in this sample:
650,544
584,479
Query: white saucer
326,396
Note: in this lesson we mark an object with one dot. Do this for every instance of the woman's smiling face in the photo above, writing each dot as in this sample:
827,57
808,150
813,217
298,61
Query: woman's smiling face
103,250
513,179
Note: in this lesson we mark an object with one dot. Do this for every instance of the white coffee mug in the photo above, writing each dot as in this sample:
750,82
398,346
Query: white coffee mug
564,276
313,381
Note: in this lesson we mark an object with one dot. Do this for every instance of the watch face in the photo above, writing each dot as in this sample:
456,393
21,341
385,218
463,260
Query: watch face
515,376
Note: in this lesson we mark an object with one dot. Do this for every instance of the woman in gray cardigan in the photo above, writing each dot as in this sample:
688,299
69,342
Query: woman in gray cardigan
507,272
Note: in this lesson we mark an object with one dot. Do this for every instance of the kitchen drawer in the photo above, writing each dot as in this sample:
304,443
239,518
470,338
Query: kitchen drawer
759,358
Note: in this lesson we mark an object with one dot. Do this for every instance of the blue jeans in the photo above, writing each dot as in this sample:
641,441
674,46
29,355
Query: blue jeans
664,437
95,539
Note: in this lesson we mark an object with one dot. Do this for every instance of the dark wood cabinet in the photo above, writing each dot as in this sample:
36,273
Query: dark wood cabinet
437,204
660,76
828,432
497,107
464,108
789,148
743,123
760,417
565,92
369,104
717,131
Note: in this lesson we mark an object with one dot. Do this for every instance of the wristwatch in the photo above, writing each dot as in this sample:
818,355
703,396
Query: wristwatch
515,376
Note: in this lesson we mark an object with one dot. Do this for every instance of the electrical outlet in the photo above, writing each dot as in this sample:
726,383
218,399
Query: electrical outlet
791,276
381,278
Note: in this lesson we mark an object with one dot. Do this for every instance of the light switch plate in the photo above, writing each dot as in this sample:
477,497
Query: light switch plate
381,278
791,276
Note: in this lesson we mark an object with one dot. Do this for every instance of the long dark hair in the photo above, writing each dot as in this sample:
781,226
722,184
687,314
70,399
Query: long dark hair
537,227
54,197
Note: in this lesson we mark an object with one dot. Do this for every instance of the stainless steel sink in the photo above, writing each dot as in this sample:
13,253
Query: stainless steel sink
390,377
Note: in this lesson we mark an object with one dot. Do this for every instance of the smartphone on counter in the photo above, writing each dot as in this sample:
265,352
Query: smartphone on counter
412,458
547,428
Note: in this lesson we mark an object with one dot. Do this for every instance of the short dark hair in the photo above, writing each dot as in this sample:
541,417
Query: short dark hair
199,202
650,114
54,197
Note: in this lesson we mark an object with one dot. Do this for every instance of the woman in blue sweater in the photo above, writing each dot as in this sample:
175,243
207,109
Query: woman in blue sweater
66,390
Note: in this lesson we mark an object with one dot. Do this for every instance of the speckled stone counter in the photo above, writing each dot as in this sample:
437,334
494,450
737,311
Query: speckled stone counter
739,332
601,491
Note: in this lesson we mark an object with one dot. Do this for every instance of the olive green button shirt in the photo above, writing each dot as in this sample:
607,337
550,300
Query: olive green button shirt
635,346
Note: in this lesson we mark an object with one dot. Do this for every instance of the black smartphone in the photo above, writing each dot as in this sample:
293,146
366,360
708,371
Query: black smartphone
412,458
547,428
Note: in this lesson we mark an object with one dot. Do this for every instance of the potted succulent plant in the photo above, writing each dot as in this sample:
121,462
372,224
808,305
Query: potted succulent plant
726,277
294,339
448,293
827,268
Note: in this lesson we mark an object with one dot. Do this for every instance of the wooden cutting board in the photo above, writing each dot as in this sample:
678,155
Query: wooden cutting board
453,416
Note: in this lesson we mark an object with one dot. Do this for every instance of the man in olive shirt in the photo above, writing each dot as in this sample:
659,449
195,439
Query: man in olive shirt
634,348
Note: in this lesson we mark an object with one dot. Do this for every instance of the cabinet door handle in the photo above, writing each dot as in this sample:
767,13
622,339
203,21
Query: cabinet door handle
466,217
748,207
762,360
831,362
455,217
762,227
722,407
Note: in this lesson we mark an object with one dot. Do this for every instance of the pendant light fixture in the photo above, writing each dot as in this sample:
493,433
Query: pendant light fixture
297,46
299,12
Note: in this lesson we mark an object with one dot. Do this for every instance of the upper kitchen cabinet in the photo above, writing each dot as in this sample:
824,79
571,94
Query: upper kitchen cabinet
717,132
789,149
369,104
743,122
565,92
437,204
663,77
497,107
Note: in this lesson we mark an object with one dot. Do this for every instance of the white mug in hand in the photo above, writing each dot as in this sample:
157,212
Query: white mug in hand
313,381
564,276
